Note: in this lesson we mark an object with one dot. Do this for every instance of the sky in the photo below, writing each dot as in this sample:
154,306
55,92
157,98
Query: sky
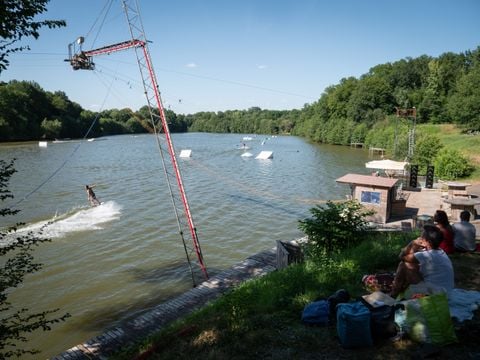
217,55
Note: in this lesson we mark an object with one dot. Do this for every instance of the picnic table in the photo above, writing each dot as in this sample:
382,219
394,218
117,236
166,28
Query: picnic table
459,204
457,189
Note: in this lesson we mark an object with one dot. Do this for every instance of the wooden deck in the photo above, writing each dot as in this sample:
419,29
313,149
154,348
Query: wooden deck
357,144
376,150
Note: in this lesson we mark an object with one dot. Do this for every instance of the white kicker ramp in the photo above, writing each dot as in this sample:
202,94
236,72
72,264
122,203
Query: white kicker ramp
265,155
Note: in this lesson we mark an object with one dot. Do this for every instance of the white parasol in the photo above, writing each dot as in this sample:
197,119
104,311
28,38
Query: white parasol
386,165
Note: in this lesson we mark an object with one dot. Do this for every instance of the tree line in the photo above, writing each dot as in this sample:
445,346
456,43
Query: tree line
443,89
27,112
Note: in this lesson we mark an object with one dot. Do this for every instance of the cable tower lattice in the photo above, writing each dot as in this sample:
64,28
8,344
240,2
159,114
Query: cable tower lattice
83,60
408,113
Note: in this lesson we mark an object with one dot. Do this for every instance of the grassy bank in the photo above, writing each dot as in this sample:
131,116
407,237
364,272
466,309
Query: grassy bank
261,318
452,138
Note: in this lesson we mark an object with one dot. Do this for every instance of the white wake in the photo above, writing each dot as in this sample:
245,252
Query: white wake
84,219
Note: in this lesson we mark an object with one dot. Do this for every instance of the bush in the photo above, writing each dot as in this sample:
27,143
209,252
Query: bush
426,149
451,165
335,227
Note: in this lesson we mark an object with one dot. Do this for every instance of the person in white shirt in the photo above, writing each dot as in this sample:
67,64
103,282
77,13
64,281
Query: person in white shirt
422,259
464,234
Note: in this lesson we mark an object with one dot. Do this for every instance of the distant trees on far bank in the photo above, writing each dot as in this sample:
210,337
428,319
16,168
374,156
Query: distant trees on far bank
27,112
443,89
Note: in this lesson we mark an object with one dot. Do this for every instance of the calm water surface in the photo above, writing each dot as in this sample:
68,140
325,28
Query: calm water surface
109,263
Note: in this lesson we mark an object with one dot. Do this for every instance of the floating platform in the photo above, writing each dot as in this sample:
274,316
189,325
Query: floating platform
185,153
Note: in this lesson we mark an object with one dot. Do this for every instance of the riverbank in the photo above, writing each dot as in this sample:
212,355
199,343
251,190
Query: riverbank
425,201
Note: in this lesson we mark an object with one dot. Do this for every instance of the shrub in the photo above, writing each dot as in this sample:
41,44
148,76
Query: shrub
334,227
426,149
451,165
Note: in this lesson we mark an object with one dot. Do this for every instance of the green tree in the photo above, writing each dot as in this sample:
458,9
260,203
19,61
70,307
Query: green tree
16,262
337,99
23,106
434,99
111,127
464,104
359,133
372,92
17,22
51,128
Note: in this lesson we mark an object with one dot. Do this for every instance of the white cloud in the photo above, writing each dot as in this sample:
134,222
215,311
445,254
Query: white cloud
261,67
191,65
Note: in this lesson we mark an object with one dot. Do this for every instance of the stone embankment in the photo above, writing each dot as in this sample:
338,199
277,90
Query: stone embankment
154,320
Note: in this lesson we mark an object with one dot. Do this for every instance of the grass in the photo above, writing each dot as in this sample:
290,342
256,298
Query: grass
261,318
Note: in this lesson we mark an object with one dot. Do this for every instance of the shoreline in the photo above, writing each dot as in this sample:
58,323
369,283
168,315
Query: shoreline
425,201
103,345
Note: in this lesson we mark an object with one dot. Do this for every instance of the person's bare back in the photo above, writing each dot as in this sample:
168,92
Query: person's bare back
92,198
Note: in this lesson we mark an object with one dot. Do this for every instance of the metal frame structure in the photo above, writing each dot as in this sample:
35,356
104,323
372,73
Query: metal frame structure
82,60
408,113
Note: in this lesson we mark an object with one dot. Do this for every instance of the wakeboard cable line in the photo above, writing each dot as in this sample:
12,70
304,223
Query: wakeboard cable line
70,156
82,60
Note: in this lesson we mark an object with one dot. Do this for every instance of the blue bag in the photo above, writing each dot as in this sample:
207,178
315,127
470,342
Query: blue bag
316,313
353,325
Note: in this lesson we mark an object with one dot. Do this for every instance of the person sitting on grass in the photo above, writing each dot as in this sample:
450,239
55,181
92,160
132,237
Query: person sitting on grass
464,234
441,220
423,260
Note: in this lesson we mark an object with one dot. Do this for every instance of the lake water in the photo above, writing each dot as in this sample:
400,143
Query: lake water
109,263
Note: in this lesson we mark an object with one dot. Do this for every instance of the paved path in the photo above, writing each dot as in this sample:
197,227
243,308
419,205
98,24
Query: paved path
106,344
426,201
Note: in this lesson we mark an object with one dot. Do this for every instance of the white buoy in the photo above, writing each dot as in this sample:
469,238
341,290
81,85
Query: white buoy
42,144
246,154
185,153
263,155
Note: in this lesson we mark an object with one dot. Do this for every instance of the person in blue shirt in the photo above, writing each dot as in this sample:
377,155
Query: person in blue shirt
464,234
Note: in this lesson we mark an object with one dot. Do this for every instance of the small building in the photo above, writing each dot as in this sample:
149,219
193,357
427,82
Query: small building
374,192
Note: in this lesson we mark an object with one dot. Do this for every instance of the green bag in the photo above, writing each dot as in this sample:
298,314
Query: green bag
437,315
428,320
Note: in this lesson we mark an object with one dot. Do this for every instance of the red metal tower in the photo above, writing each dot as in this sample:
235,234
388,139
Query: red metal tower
83,60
